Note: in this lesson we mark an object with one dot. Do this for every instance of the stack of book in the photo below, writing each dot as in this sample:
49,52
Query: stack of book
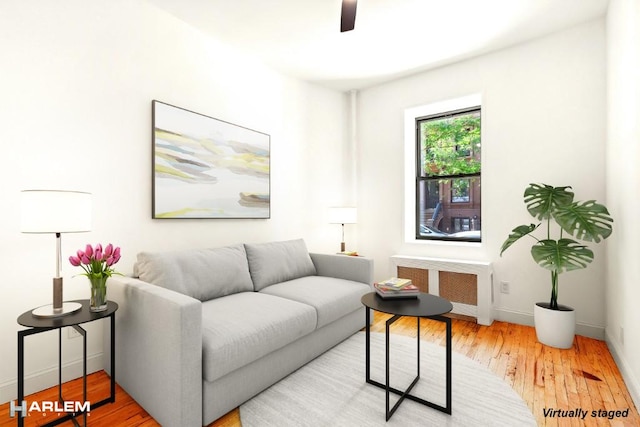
396,288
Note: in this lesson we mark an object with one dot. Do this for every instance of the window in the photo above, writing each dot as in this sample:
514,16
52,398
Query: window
460,190
448,176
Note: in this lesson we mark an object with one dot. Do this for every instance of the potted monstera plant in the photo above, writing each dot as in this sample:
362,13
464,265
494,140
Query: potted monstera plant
559,249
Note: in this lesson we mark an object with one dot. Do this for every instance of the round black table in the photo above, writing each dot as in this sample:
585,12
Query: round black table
425,305
74,320
83,315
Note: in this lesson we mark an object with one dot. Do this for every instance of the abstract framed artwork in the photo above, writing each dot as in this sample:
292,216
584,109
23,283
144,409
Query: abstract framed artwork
208,168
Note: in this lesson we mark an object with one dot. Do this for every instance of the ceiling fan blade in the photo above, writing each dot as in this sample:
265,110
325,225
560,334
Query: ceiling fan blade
348,21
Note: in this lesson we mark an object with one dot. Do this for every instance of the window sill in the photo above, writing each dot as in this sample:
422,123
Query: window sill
443,243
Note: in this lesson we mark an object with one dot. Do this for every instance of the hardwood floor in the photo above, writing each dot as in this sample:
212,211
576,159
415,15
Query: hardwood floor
583,377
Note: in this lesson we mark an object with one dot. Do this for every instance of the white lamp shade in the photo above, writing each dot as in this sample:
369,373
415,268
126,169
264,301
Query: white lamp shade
55,211
343,215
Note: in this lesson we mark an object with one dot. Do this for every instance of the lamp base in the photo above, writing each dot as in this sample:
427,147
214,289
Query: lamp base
49,311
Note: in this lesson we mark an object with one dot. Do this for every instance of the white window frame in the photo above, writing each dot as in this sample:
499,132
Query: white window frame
410,161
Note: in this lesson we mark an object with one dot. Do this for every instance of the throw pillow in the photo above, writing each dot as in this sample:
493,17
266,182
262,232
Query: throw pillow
203,274
276,262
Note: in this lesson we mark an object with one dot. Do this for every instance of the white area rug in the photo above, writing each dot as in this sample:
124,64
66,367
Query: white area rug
331,390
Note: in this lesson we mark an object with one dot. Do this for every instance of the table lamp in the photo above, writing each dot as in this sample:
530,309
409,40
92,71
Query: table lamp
56,212
343,215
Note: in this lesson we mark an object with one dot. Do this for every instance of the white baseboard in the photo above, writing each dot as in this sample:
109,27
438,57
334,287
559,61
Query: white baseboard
44,379
630,380
521,318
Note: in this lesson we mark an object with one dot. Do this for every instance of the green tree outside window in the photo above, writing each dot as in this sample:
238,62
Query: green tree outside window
451,145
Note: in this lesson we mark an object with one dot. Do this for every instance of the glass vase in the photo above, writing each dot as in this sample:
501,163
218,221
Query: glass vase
98,300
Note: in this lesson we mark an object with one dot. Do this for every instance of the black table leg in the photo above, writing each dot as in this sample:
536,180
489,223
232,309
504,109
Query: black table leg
72,416
60,398
447,320
367,318
113,358
82,332
403,394
21,335
406,393
19,409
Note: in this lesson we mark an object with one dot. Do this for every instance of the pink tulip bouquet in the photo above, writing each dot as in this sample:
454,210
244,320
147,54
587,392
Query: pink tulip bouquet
97,262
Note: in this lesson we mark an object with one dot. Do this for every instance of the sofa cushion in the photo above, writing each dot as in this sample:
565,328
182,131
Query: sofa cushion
332,298
203,274
277,262
241,328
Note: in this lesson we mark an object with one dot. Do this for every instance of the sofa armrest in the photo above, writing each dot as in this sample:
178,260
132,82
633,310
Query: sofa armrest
356,268
158,350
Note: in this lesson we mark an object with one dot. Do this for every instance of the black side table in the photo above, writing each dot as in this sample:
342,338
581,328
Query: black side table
40,324
426,305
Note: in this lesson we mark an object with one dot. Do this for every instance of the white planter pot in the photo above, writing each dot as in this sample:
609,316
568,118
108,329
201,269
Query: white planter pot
555,328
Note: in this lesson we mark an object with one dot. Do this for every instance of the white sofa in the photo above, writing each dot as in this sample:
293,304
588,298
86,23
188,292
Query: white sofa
199,332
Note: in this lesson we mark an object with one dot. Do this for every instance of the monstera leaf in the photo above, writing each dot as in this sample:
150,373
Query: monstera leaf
589,221
561,255
542,199
517,233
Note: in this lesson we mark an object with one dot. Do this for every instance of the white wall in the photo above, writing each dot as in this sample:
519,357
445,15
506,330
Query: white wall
623,188
543,121
77,80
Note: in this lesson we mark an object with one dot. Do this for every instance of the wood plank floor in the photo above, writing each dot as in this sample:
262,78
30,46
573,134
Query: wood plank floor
584,377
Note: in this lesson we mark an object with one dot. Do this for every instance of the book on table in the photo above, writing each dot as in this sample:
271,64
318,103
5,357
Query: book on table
407,291
395,283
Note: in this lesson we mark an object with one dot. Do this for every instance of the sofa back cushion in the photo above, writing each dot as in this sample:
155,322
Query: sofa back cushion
203,274
277,262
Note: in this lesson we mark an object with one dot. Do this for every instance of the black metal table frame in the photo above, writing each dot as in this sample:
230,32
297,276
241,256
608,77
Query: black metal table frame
70,416
406,393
